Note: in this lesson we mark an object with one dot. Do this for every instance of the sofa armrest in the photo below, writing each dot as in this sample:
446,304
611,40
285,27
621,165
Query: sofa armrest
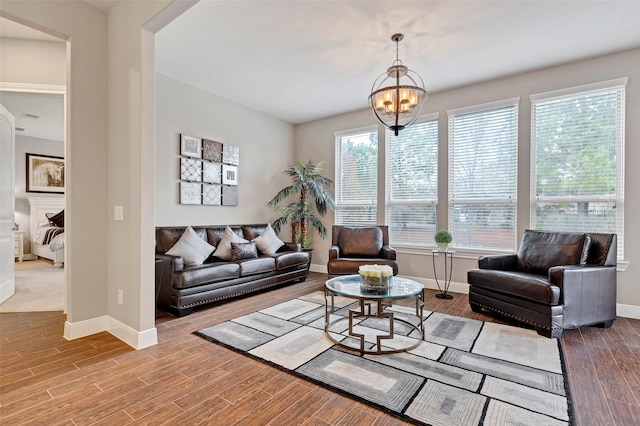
501,262
176,261
290,247
388,252
165,283
334,252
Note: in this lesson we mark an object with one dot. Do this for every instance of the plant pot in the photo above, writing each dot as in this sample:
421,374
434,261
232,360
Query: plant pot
310,251
443,247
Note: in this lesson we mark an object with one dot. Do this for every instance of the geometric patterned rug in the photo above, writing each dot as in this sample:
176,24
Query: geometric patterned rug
465,372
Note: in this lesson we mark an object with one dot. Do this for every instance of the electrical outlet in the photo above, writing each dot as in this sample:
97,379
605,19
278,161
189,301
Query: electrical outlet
120,297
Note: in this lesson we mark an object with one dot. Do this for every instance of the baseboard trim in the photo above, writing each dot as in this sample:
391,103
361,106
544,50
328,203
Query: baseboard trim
628,311
135,339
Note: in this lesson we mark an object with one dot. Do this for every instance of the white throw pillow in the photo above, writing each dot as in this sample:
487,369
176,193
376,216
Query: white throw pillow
224,246
191,248
268,242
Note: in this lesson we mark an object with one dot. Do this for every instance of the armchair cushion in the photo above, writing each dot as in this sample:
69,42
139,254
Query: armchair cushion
364,242
542,250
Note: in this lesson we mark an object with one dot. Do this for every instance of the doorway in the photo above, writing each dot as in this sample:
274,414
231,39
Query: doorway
39,111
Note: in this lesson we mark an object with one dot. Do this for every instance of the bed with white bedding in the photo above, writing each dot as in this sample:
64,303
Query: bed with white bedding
46,240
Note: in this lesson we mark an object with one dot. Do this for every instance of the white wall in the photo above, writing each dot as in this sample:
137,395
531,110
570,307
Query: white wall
266,146
86,148
24,145
316,140
33,62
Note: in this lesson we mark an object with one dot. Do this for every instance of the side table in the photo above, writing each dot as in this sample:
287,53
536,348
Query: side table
448,272
18,245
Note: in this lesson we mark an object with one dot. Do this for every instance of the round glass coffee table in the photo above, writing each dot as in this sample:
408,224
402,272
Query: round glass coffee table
349,286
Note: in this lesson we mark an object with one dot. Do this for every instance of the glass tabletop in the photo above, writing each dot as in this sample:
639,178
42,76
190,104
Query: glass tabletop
349,285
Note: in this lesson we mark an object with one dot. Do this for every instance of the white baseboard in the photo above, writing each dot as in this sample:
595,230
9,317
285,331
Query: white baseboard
628,311
135,339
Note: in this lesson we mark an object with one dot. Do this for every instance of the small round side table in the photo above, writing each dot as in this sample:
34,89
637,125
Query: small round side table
448,272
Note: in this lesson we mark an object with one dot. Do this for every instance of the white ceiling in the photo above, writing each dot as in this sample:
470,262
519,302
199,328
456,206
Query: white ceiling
48,108
304,60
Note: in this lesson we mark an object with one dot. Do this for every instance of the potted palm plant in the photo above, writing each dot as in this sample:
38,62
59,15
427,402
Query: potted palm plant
313,200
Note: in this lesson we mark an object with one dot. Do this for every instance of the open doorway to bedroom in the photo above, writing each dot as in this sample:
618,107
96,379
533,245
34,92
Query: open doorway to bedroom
38,105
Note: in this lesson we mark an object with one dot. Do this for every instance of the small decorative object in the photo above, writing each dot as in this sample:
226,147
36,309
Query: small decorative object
229,174
443,238
211,172
190,170
211,195
190,146
45,174
375,279
397,94
229,195
190,193
211,150
231,154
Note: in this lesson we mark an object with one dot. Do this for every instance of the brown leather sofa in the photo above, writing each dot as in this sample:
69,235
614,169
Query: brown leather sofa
181,288
557,281
353,246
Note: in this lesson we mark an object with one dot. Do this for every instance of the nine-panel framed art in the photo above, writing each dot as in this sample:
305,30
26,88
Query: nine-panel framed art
208,172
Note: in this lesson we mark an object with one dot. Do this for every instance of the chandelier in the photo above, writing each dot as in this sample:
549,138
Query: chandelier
397,95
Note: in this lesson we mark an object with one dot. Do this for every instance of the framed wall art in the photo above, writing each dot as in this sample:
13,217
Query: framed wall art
190,146
208,172
229,174
45,173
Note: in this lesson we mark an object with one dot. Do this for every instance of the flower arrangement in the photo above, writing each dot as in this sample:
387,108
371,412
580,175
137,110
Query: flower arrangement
375,278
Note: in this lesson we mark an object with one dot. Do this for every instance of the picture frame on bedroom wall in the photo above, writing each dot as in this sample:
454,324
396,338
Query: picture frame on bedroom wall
45,174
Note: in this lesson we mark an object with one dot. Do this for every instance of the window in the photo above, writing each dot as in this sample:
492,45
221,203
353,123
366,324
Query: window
483,175
577,155
412,183
357,177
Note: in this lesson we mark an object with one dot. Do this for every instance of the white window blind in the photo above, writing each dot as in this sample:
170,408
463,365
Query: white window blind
483,143
412,183
357,177
578,159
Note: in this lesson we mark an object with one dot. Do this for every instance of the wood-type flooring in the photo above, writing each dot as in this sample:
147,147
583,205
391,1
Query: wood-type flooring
185,380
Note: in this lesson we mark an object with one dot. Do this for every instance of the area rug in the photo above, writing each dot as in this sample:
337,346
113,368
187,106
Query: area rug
465,372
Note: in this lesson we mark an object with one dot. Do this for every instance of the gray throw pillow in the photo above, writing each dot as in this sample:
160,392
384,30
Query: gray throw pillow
268,243
224,246
191,248
241,251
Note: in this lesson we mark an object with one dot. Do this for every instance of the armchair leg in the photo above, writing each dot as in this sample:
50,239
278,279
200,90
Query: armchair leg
552,334
475,308
605,324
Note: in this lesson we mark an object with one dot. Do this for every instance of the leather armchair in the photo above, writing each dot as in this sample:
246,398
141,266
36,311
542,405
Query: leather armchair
353,246
557,281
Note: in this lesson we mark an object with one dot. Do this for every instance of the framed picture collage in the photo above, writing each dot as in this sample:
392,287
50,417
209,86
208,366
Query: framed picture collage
208,172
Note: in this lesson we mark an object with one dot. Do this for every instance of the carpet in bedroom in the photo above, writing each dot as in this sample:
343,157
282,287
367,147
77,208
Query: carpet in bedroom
39,287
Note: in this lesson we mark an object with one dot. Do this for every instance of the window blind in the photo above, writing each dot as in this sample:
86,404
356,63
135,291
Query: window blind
483,143
578,160
357,178
412,183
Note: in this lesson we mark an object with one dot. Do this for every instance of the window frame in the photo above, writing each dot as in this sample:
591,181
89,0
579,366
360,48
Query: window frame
429,202
619,198
510,200
339,203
